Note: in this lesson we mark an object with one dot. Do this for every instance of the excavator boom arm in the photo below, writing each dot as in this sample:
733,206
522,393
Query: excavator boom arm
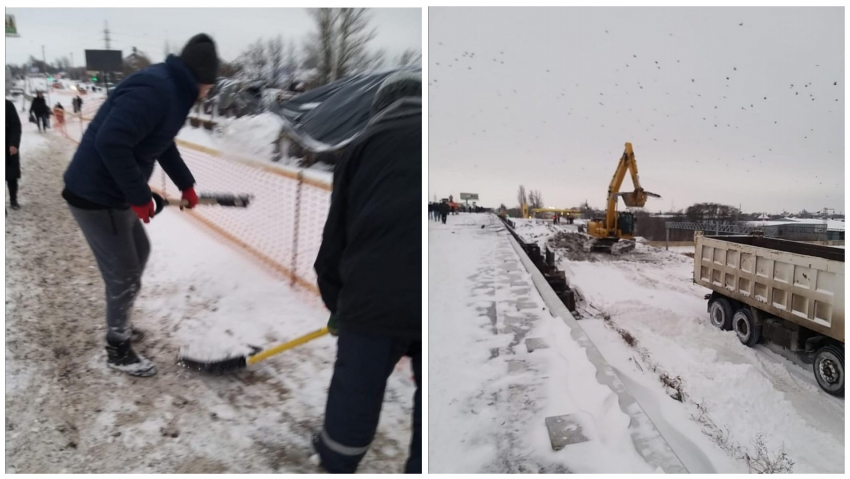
626,164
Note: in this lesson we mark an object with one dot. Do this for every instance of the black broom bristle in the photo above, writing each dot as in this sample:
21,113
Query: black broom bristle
214,367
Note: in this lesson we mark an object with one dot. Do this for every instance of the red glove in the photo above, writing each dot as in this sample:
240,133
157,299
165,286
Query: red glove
145,212
190,196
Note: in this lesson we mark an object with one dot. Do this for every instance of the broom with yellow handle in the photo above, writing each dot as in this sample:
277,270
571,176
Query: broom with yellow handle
241,362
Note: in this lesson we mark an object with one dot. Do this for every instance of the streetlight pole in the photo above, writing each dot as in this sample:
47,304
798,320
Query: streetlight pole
44,59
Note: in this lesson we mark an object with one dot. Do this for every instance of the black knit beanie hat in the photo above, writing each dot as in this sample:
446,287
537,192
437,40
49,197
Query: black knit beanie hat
200,56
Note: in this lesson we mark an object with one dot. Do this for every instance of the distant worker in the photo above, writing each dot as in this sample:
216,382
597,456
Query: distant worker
369,274
77,103
40,112
444,211
106,184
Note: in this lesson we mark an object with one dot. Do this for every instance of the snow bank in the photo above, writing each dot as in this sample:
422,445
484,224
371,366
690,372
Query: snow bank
749,391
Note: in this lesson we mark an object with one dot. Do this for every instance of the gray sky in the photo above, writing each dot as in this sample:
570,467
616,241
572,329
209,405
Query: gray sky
547,98
63,31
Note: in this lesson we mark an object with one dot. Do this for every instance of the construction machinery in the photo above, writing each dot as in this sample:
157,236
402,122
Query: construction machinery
619,225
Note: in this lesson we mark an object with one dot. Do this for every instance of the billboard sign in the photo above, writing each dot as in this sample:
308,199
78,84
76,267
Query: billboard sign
469,196
11,26
104,60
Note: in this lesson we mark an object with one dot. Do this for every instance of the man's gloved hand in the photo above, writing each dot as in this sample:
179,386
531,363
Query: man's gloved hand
333,325
144,212
190,196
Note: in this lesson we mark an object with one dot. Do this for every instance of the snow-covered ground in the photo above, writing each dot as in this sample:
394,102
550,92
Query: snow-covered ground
488,396
66,411
830,224
745,392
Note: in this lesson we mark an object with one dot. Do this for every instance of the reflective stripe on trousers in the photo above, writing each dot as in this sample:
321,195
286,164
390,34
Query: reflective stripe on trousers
340,448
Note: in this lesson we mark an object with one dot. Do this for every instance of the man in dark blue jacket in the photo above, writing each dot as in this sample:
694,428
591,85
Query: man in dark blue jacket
369,271
106,184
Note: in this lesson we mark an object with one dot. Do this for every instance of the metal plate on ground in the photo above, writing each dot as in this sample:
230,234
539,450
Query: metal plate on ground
565,430
535,343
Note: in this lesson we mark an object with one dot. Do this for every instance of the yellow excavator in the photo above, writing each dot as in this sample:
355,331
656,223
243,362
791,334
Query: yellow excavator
619,225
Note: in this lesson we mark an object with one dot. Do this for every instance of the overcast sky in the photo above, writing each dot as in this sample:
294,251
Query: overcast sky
548,97
63,31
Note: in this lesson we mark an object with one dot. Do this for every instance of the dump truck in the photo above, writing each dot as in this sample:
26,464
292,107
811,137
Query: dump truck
786,292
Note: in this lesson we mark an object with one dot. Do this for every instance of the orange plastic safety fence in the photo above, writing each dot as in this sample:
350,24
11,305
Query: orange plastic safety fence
283,224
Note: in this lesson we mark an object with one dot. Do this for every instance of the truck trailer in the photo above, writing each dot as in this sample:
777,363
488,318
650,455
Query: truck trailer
785,292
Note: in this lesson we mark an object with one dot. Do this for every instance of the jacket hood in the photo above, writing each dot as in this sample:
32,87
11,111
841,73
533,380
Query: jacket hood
402,108
186,83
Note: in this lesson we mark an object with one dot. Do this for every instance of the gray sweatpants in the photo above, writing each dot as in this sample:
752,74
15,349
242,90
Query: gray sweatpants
121,248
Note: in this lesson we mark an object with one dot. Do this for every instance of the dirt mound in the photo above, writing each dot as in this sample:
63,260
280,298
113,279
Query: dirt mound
575,246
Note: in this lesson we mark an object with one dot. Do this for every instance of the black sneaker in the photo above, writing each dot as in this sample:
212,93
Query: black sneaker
121,356
16,206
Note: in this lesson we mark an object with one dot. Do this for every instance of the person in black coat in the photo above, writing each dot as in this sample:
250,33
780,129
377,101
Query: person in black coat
369,270
77,104
40,111
444,211
13,159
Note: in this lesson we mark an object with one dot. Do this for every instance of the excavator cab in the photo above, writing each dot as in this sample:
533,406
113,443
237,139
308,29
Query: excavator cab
626,223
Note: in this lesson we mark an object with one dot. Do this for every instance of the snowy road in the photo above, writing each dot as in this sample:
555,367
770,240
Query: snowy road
750,391
488,395
67,412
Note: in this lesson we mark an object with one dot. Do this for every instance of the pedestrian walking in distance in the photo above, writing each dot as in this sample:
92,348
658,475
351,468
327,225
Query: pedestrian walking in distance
13,159
77,103
444,212
40,111
369,270
106,184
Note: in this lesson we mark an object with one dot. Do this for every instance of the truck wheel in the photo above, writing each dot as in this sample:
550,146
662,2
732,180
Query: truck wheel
749,333
829,369
720,313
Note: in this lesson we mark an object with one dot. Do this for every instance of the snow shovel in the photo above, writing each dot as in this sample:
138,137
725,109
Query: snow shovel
242,362
238,201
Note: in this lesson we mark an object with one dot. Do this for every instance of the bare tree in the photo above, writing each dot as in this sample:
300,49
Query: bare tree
319,49
353,35
373,61
135,62
535,199
63,63
253,60
229,69
291,59
275,56
409,58
521,197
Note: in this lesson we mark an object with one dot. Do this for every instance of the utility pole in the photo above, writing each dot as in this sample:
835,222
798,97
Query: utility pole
44,59
106,41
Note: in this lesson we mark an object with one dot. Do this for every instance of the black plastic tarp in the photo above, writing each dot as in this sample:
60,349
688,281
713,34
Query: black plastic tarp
331,116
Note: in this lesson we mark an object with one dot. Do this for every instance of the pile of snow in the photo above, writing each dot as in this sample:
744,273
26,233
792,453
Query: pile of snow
249,136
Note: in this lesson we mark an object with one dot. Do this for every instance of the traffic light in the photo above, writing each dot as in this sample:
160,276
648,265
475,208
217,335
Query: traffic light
94,79
49,78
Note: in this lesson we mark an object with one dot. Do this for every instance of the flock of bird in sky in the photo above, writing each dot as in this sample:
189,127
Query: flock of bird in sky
468,60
